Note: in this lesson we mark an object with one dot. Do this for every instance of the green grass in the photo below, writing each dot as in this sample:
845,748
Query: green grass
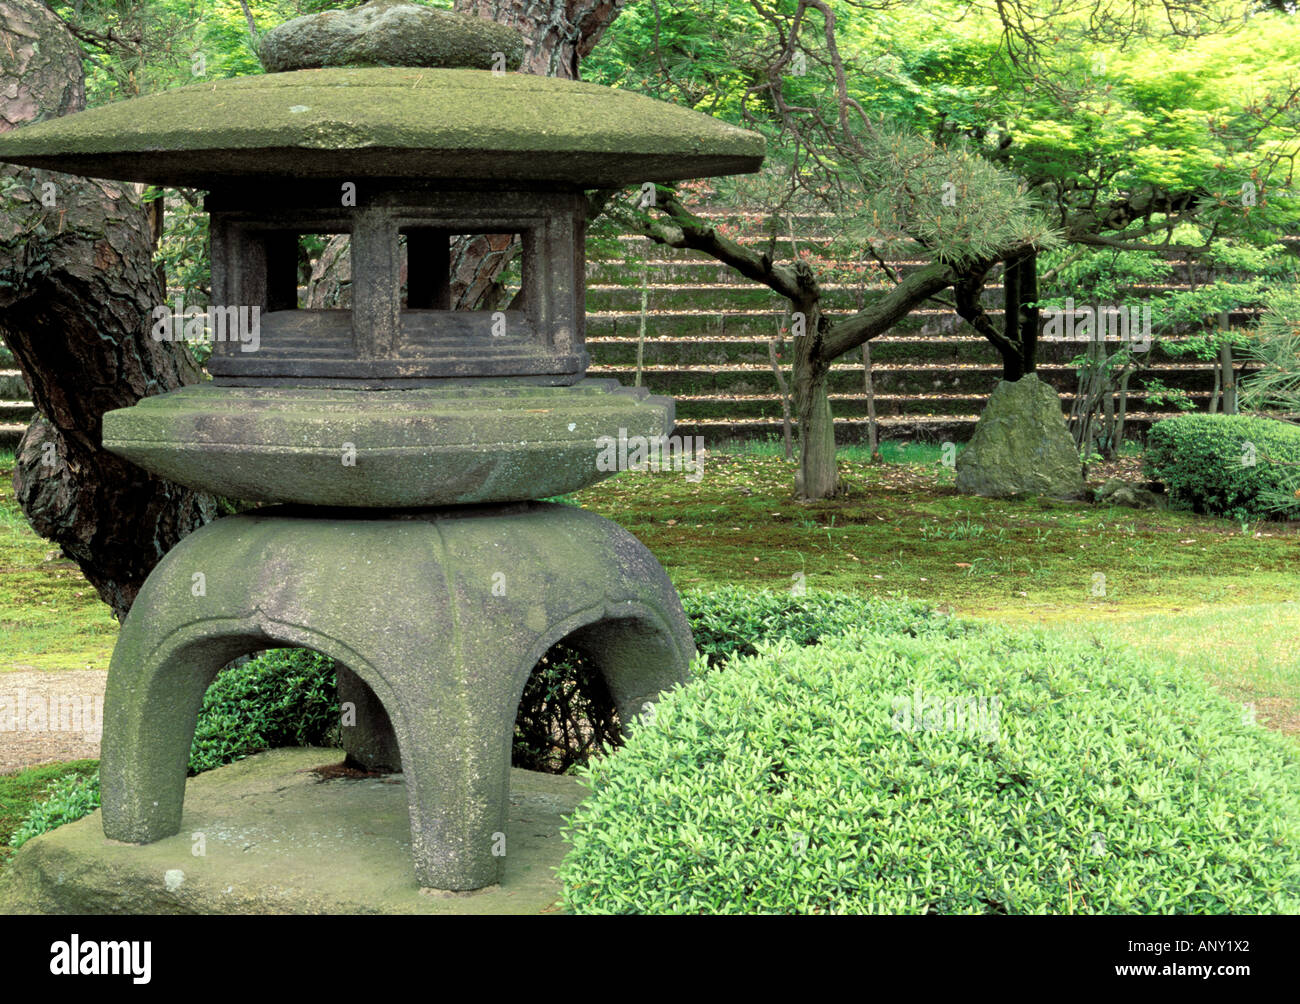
900,530
1247,652
893,452
50,616
895,532
20,792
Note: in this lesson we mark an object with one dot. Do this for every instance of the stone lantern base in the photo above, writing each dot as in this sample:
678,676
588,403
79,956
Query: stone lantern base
439,615
286,832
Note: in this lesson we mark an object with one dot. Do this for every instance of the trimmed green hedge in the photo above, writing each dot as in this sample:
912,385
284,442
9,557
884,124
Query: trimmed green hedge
734,621
1227,465
993,772
567,697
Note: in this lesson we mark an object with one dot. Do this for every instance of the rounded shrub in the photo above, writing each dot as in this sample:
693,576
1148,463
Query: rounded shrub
1237,466
734,621
567,717
283,697
993,772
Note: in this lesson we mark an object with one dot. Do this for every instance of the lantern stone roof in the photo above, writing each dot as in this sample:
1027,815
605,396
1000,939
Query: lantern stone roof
388,122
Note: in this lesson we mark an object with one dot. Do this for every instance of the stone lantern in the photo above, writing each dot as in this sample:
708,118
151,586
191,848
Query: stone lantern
400,444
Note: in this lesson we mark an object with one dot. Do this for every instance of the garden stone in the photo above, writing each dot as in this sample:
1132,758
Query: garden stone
388,123
1021,446
391,33
1117,491
282,837
500,444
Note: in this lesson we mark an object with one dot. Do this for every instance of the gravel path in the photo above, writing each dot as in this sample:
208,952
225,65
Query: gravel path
48,717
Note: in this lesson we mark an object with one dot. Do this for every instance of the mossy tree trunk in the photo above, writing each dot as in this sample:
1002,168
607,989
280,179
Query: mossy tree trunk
818,475
559,33
77,286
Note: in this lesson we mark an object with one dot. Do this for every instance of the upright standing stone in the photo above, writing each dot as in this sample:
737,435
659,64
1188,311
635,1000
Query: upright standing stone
1021,446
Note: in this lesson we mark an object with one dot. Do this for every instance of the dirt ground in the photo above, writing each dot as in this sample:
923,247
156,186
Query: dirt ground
50,717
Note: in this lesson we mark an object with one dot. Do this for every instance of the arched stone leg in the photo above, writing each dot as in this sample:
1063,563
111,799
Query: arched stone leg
151,703
636,659
441,616
368,736
456,760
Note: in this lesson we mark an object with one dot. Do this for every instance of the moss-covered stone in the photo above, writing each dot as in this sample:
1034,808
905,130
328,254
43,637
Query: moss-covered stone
390,122
1021,445
268,823
391,33
459,445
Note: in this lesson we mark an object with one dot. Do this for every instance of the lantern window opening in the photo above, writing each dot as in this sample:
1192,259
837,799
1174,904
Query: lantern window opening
436,277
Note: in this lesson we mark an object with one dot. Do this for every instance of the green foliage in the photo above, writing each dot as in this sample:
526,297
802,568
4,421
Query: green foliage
701,55
1158,393
67,799
733,621
567,718
566,714
1275,348
1237,466
961,206
995,772
284,697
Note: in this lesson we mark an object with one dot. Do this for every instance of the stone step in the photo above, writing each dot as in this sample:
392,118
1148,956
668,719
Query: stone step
719,350
704,270
10,435
921,428
744,406
11,385
823,244
766,323
692,266
661,294
847,378
17,411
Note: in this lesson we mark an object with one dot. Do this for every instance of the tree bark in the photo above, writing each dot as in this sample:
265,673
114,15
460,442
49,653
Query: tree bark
559,33
1027,310
785,397
1229,378
818,475
77,286
873,433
